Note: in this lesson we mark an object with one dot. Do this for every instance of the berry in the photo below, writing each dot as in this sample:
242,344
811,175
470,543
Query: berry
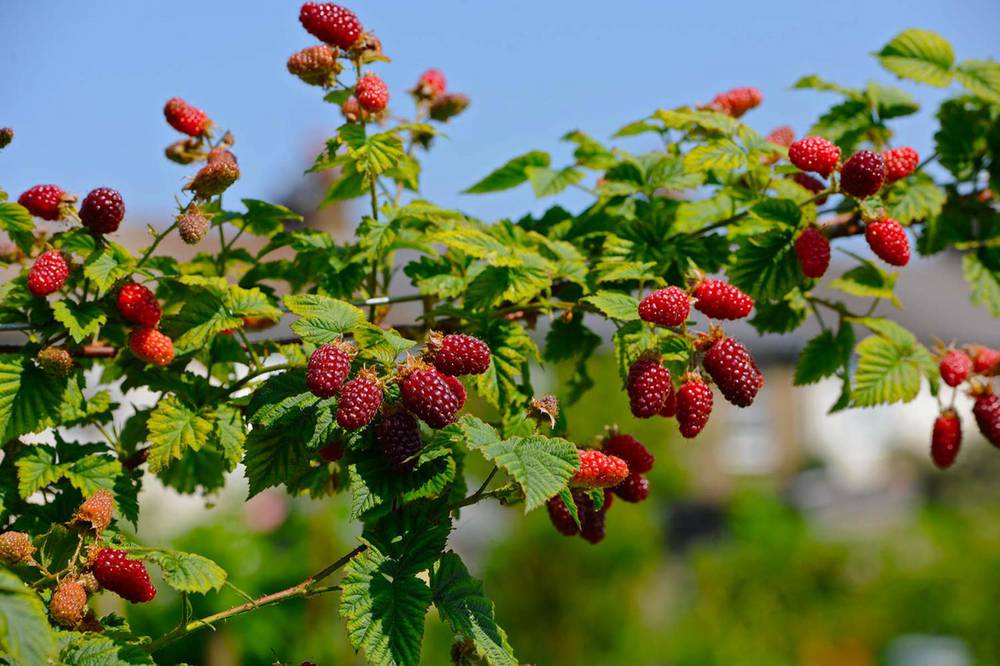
214,178
151,346
456,386
352,111
431,85
863,174
985,360
887,239
426,393
459,354
635,488
55,361
955,367
599,470
138,305
733,369
220,154
6,136
315,65
333,451
48,274
372,93
720,300
987,413
814,185
102,210
360,399
632,451
68,603
45,201
946,439
15,547
330,23
666,307
192,225
592,520
814,153
561,518
328,367
185,118
670,406
398,435
649,386
900,163
694,406
98,510
446,107
183,151
782,136
813,251
737,101
126,578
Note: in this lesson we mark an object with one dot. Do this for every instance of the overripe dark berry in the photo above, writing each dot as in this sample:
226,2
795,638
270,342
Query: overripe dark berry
561,518
666,307
863,174
333,451
720,300
694,406
814,153
398,435
138,305
331,23
632,451
946,439
987,413
45,201
458,354
955,367
649,386
48,274
360,399
456,386
592,519
102,210
732,368
887,239
635,488
125,577
328,367
811,183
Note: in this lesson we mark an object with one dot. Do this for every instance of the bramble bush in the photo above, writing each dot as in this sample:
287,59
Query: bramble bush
719,219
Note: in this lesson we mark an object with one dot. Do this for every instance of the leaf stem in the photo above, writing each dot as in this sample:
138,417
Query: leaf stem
250,376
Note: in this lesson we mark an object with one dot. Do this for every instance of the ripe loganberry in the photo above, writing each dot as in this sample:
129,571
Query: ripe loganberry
694,406
426,393
666,307
398,435
151,346
102,210
15,547
955,367
330,23
561,518
315,65
138,305
456,386
599,470
55,361
632,451
987,413
446,107
185,118
48,274
360,399
192,225
814,153
333,451
985,360
946,439
887,239
430,85
782,136
372,93
214,178
812,248
68,603
592,519
720,300
900,163
737,101
863,174
670,406
811,183
635,488
733,369
125,577
458,354
328,367
648,385
48,202
98,510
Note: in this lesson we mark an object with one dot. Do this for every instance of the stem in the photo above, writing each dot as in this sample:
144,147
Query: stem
373,278
156,242
479,494
250,350
257,373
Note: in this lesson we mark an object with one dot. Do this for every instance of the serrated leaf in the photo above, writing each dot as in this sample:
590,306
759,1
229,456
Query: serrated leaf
19,225
782,316
778,211
615,304
817,360
106,265
97,650
93,472
185,572
25,635
30,400
919,55
511,346
546,182
81,320
890,102
374,486
511,174
888,372
984,284
478,244
173,429
814,82
280,396
230,433
765,266
273,455
36,469
868,281
915,198
720,155
980,77
266,219
589,152
323,319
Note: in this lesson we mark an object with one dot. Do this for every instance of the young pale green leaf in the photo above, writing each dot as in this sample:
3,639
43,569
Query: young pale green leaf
687,118
718,155
230,433
185,572
983,283
380,344
175,428
765,266
915,198
106,265
81,320
36,469
888,372
546,182
323,319
511,174
25,635
868,281
890,102
814,82
615,304
980,77
19,225
589,153
478,244
919,55
266,219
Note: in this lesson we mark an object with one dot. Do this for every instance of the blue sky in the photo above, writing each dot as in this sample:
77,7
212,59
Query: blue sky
84,83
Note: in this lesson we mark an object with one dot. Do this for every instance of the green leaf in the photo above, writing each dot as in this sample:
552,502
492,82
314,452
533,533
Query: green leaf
215,306
185,572
323,319
814,82
19,225
778,211
511,174
719,155
887,371
266,219
984,284
548,182
273,456
589,153
94,472
374,486
511,346
36,469
915,198
980,77
280,396
230,433
461,602
781,316
106,265
868,281
919,55
891,102
615,304
30,400
824,355
765,266
173,429
25,636
98,650
81,321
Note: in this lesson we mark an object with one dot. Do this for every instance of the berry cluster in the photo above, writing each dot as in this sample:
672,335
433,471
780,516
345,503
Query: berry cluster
138,305
976,367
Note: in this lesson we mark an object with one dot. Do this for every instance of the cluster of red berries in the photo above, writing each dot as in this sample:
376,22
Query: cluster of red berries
977,365
138,305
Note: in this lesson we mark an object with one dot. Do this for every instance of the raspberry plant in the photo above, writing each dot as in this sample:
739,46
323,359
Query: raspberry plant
718,223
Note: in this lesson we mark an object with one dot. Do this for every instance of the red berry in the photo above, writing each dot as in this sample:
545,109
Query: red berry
666,307
737,101
900,163
694,406
398,435
138,305
126,578
814,185
426,393
151,346
102,211
863,174
635,488
360,399
315,65
814,153
670,406
48,274
592,520
185,118
813,251
649,387
456,386
783,136
632,451
985,360
431,84
331,23
733,369
68,603
955,367
98,510
328,367
720,300
43,201
459,354
887,239
946,439
599,470
561,518
333,451
987,413
372,93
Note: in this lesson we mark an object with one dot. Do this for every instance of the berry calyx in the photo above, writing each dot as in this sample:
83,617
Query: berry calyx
987,413
360,399
48,202
900,163
458,354
102,210
814,153
426,393
720,300
97,510
632,451
946,439
648,385
733,369
151,346
330,23
955,367
985,360
315,65
430,85
328,368
599,470
666,307
55,361
863,174
812,249
372,93
138,305
68,603
887,239
561,518
694,406
185,118
398,435
15,547
635,488
125,577
48,274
